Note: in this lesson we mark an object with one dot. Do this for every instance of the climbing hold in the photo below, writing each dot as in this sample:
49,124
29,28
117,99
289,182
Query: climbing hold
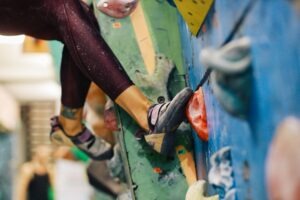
117,8
231,78
194,12
110,118
221,173
157,170
283,161
197,190
116,25
196,114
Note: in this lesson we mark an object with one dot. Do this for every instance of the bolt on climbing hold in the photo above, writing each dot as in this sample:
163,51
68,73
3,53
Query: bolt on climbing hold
231,76
157,170
116,8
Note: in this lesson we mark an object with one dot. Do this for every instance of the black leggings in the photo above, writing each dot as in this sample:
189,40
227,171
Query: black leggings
86,56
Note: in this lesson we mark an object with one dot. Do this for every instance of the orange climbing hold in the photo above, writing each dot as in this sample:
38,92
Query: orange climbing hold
157,170
196,114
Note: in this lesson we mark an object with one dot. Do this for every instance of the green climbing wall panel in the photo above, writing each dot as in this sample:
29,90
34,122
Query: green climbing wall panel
152,176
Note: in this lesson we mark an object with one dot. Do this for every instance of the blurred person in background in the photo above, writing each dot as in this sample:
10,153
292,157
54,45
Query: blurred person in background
35,179
70,176
75,173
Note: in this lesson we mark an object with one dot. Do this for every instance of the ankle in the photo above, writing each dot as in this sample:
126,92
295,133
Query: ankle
141,116
71,127
70,120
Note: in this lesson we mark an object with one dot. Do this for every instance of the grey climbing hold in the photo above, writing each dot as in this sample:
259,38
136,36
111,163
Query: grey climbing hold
231,76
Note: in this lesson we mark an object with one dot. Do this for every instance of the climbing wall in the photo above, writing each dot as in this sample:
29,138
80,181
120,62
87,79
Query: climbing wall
5,165
148,45
274,29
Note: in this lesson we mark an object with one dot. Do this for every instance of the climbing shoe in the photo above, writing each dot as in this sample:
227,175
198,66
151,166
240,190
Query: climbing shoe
164,119
95,147
57,135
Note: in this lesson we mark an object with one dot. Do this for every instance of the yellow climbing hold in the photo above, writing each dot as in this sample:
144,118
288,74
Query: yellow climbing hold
194,12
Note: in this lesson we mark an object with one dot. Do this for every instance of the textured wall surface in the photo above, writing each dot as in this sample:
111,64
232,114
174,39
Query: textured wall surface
153,176
274,29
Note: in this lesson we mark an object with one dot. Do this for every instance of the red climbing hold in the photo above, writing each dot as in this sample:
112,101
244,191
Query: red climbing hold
196,114
157,170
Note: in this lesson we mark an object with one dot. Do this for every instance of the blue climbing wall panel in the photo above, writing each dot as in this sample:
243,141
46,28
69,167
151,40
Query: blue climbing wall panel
274,29
5,166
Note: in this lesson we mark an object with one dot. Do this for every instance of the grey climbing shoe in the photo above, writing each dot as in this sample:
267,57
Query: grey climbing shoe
164,119
95,147
57,135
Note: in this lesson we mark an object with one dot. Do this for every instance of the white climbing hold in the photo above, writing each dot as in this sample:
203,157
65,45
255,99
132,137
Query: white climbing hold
197,191
230,59
221,172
